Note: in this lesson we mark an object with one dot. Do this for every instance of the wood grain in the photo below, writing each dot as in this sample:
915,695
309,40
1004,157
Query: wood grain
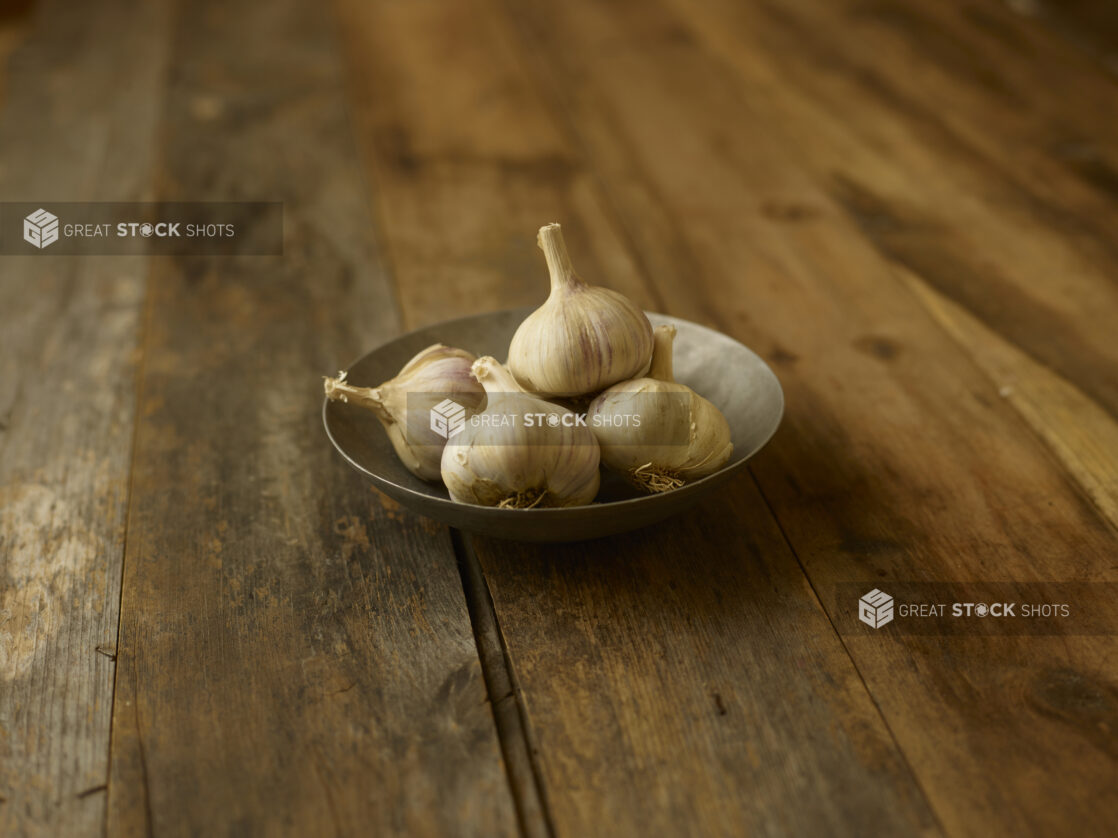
895,462
653,699
70,327
955,179
1079,432
907,207
1088,26
296,655
956,186
15,25
468,164
685,681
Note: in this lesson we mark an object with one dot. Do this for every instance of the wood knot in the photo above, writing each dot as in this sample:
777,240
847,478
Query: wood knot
1088,705
780,355
876,346
789,212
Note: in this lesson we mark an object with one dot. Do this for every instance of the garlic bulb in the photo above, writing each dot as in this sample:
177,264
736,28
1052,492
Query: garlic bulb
681,436
437,373
583,339
522,452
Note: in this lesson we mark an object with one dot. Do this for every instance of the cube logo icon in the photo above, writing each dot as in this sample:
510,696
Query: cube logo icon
875,609
448,418
40,228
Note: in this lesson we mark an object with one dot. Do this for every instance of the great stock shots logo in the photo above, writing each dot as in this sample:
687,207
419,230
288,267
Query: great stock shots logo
875,609
40,228
981,608
116,228
448,418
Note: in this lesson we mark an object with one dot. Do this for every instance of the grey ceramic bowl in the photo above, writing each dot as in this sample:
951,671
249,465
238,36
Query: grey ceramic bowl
714,365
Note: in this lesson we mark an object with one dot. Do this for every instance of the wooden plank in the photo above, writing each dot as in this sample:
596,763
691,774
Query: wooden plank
68,330
651,698
296,655
516,748
684,680
965,201
895,462
963,170
467,164
1081,434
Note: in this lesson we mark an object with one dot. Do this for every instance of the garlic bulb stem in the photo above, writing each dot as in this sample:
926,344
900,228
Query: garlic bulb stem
550,241
663,339
494,377
338,390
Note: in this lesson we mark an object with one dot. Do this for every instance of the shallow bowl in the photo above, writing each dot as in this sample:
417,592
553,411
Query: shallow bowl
714,365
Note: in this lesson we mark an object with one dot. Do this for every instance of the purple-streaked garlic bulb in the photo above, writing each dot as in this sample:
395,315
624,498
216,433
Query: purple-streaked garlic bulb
404,403
583,339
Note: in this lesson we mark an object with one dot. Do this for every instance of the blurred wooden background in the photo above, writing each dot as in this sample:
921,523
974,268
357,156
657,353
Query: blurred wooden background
210,626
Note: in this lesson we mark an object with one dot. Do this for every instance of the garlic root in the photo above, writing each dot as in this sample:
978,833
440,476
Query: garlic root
655,479
528,499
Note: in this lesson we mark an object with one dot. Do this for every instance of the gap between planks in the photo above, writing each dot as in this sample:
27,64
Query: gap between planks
509,716
139,374
849,656
138,408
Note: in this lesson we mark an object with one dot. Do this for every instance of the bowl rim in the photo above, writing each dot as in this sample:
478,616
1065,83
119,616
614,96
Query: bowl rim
520,514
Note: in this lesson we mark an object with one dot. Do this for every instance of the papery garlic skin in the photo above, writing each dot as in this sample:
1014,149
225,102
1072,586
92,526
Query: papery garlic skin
436,373
515,466
583,338
681,437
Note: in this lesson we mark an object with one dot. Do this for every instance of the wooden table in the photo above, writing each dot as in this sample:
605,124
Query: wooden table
209,625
